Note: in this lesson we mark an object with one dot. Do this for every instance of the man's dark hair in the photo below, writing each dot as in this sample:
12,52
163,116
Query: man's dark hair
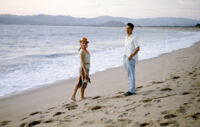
131,25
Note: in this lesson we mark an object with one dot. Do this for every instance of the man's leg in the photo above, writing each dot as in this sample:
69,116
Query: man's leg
131,76
126,66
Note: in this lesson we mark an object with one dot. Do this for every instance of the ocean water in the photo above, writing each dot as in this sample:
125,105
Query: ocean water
32,56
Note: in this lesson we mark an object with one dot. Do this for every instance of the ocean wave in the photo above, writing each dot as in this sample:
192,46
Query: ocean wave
54,55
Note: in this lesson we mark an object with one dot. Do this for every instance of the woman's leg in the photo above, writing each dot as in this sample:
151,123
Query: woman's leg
75,90
82,93
83,87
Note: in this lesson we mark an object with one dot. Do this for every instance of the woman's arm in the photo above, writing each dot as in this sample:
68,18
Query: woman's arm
83,64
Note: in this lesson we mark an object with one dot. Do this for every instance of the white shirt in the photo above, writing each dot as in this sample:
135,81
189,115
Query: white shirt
86,58
131,44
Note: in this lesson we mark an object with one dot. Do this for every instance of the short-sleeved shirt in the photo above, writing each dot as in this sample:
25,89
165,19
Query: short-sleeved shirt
131,44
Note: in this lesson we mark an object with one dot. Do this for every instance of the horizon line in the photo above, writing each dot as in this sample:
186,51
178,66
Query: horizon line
98,16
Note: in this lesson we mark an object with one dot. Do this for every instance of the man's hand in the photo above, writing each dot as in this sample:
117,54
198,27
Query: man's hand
133,54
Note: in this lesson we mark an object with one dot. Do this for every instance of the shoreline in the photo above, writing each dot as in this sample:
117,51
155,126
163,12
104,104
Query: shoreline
43,86
35,86
105,95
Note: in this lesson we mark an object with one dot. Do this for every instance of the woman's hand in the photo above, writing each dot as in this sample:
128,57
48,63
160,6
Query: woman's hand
86,75
130,57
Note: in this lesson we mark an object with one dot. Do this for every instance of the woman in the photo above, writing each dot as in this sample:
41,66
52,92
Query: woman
84,69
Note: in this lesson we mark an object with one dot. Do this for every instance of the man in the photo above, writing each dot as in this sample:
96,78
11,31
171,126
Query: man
130,57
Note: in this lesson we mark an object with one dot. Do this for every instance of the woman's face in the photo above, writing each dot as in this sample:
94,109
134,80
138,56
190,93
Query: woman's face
84,44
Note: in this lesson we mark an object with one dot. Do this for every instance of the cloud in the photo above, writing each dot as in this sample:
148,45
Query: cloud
189,1
189,4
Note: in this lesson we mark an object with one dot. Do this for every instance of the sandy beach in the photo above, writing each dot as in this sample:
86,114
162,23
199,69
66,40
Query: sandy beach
168,94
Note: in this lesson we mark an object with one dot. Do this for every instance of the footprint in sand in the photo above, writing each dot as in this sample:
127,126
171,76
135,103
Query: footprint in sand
51,108
166,111
196,116
186,93
190,73
123,114
58,113
144,124
168,123
3,123
169,116
49,121
96,97
156,82
34,113
125,120
87,122
120,96
139,87
68,117
157,100
146,100
96,108
71,106
166,89
24,118
175,77
31,123
120,92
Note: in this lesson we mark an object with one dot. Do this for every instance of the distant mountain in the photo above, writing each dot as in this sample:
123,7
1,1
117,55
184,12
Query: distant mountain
98,21
113,24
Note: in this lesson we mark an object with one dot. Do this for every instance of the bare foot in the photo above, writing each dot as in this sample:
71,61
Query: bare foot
73,98
82,98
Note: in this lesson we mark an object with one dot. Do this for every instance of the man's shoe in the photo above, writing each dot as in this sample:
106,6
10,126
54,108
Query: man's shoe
128,93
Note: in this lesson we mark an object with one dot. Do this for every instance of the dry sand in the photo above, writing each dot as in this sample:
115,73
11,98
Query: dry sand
168,94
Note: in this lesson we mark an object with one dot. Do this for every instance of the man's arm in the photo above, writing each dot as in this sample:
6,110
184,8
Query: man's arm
134,53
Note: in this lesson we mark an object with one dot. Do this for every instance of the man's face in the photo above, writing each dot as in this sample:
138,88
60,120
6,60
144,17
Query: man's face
129,30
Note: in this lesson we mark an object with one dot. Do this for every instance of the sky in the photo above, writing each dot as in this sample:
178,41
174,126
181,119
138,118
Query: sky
94,8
